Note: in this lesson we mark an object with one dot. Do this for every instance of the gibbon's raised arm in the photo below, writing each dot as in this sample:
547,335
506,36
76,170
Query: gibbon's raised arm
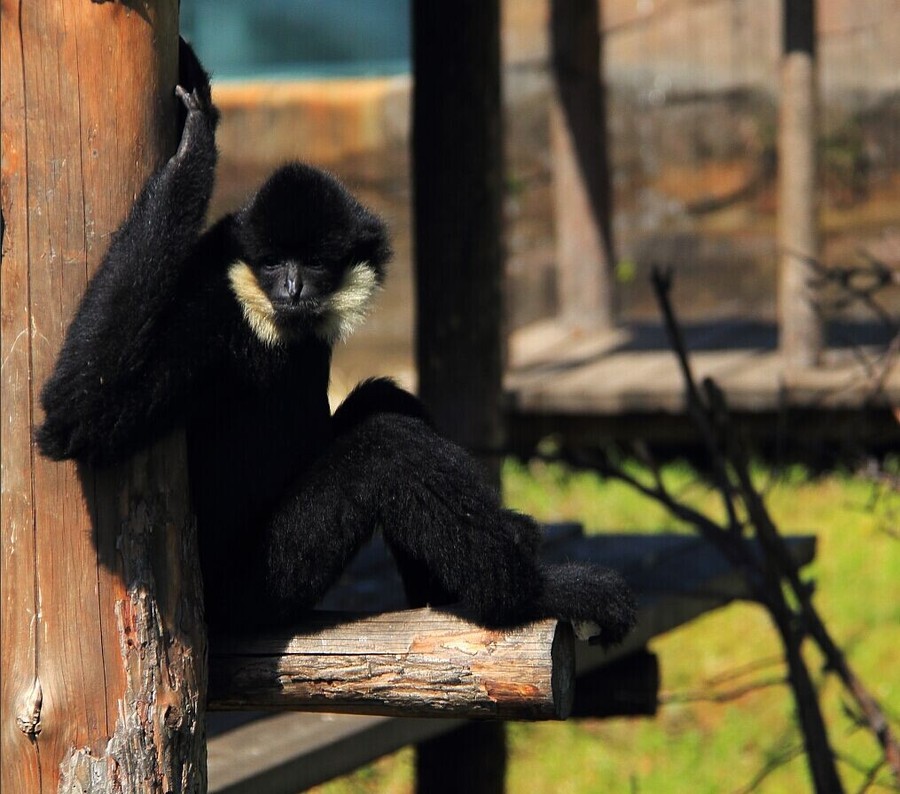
132,352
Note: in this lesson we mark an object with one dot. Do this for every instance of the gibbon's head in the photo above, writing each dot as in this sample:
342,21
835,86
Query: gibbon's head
312,257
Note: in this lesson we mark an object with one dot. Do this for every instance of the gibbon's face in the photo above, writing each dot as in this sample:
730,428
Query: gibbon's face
313,258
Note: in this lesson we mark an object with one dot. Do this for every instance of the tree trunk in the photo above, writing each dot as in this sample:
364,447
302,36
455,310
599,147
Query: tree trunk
103,650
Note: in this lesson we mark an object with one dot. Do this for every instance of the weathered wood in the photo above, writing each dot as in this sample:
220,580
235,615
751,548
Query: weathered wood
102,644
581,179
413,663
800,325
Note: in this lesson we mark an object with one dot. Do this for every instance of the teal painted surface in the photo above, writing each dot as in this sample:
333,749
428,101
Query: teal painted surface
288,39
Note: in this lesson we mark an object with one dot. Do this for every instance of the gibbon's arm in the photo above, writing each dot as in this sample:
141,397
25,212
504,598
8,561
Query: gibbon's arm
128,358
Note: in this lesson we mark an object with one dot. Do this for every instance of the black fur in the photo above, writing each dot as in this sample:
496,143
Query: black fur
284,492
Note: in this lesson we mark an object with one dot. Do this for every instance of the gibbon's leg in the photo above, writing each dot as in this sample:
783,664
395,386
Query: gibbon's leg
382,395
393,471
583,592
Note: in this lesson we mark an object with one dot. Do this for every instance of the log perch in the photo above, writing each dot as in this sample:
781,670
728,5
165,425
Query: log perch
412,663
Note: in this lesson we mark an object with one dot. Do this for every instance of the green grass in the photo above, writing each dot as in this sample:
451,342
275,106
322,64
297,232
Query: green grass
699,746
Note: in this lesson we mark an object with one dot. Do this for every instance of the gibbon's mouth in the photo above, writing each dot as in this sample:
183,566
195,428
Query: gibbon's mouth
293,310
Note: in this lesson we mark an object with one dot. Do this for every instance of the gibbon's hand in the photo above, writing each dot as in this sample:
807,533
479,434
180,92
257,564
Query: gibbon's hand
198,116
199,124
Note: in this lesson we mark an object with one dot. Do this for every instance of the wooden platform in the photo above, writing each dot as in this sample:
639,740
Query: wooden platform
627,382
677,578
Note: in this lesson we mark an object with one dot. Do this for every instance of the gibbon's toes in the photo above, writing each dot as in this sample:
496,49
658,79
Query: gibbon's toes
596,600
189,98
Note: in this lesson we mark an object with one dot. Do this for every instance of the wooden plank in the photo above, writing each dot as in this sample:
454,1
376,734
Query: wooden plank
286,753
632,371
416,663
457,149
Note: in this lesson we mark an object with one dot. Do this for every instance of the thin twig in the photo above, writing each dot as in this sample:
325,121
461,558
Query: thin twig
724,695
778,761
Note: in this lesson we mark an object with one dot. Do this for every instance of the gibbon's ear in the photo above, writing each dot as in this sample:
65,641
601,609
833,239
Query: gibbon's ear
372,244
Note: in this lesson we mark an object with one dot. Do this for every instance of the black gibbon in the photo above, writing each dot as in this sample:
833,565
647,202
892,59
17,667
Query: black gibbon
229,332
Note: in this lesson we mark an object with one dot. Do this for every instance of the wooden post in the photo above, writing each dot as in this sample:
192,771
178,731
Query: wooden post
801,331
458,204
413,663
585,258
102,659
458,186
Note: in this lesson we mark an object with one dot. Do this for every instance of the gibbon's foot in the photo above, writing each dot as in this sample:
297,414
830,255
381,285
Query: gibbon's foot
595,600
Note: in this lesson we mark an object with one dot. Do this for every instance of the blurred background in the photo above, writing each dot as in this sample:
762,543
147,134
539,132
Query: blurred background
692,91
692,115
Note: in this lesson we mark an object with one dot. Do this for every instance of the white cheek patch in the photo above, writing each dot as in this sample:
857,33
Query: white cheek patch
348,306
256,306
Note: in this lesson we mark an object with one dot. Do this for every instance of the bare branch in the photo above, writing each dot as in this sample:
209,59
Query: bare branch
729,457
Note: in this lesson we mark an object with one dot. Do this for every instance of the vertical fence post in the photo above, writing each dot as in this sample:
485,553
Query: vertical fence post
800,326
585,258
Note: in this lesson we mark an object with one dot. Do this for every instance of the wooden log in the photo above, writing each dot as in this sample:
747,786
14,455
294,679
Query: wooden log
103,656
801,329
412,663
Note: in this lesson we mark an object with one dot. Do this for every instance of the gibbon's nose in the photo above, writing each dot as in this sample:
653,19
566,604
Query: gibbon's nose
293,284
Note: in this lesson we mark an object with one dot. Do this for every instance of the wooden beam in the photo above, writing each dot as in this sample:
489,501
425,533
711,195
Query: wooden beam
412,663
103,656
